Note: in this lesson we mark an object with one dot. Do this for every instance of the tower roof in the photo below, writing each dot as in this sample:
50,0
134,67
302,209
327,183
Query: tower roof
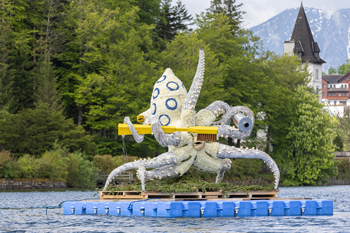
303,39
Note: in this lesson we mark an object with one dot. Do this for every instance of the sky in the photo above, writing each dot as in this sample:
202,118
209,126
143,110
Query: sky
259,11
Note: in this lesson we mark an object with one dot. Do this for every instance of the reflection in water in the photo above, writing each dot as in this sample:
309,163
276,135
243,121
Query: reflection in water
35,219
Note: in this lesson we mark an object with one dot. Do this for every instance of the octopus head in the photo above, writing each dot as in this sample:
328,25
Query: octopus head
167,100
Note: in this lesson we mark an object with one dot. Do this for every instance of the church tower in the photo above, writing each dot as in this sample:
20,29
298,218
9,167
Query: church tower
302,44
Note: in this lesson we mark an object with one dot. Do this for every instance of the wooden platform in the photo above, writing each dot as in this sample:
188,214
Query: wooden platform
199,195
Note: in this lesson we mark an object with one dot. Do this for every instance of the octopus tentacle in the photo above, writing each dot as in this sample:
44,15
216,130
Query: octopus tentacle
165,172
225,151
232,132
164,159
226,165
228,116
138,137
163,138
193,93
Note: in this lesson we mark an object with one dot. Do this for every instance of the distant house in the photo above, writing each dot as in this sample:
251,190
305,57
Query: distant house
302,44
335,90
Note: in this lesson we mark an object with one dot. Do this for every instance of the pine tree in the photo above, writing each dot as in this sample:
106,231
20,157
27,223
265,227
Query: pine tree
229,8
172,20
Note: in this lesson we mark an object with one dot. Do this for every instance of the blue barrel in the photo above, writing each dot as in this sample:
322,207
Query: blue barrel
209,209
191,209
243,208
292,208
169,209
324,207
226,209
308,207
151,209
138,208
260,208
126,208
276,208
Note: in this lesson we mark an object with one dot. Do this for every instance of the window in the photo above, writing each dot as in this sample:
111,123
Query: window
341,86
323,94
323,86
335,102
328,94
345,78
316,73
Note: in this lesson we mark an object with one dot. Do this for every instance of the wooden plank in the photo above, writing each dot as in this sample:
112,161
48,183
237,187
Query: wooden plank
217,194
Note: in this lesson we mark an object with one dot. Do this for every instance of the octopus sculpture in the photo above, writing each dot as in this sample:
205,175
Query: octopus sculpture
171,105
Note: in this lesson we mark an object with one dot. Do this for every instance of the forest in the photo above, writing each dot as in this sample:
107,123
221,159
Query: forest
70,71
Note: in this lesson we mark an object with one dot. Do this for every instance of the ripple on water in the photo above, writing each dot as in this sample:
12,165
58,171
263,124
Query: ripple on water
36,220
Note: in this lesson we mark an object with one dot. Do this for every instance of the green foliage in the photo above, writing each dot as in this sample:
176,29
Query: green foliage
186,183
309,156
332,70
230,9
120,160
343,167
81,172
182,56
281,76
8,168
344,68
172,20
104,162
244,167
33,131
338,143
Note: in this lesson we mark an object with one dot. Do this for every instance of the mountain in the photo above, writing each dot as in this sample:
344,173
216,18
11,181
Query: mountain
330,29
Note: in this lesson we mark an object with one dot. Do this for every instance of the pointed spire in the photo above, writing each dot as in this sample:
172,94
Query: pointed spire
301,5
304,40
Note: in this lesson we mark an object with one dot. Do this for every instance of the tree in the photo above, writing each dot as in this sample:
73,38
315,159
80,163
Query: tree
32,131
338,143
230,9
181,55
331,71
281,76
344,68
172,20
309,156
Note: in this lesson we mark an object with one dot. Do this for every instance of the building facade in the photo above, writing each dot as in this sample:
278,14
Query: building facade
335,90
303,45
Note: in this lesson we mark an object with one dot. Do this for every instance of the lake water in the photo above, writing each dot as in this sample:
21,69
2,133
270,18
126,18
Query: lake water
36,220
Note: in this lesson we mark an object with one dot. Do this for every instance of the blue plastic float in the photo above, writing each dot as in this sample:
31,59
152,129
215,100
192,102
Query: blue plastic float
205,209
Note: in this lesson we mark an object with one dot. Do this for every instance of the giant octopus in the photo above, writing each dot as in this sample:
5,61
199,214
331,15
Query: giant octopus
171,105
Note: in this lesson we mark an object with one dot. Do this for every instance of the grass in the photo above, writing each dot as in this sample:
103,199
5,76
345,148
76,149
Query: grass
187,183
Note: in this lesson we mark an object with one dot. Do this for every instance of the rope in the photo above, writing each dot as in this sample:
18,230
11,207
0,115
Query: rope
132,203
60,205
124,151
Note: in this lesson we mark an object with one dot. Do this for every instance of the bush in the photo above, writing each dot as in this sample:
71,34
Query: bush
120,159
81,172
28,167
33,131
8,166
105,163
244,167
53,164
343,167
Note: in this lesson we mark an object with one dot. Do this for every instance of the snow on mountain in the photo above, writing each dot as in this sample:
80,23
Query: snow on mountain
330,29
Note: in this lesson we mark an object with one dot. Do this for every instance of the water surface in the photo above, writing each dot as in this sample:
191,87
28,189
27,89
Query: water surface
36,220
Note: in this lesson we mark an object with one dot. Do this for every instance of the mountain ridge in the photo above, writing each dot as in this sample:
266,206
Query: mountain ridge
330,29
